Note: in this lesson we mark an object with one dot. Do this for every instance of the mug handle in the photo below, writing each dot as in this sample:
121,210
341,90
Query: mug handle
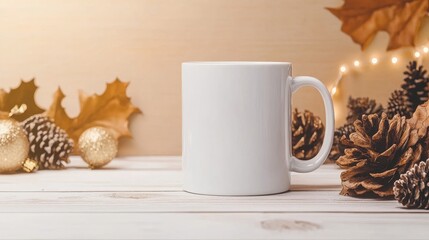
303,166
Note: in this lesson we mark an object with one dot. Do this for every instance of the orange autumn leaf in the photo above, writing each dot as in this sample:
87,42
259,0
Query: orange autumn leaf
23,94
401,19
111,110
58,113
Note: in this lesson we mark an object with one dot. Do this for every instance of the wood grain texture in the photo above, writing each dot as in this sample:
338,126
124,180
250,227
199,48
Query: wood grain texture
141,198
82,44
179,202
213,226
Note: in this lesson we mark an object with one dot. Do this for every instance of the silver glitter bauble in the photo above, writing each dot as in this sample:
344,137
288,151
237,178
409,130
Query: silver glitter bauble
14,146
97,146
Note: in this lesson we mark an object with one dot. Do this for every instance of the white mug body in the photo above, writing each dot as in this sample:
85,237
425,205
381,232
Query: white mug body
235,121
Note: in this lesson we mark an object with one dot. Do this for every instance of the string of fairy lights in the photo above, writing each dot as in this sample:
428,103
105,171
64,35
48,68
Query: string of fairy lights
356,64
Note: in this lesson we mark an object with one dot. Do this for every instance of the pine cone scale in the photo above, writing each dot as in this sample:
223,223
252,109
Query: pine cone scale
385,191
345,162
385,174
359,191
359,140
371,184
355,171
387,155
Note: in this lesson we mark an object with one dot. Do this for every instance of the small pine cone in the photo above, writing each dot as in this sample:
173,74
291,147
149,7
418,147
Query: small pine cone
307,134
360,106
345,130
415,86
398,105
49,144
412,188
376,154
337,148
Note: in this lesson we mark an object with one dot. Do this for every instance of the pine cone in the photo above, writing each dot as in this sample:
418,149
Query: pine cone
307,134
357,107
414,92
49,144
412,188
416,85
337,148
360,106
398,105
345,130
376,154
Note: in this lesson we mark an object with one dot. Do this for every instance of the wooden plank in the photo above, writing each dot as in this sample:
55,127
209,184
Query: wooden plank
212,226
138,174
125,174
145,202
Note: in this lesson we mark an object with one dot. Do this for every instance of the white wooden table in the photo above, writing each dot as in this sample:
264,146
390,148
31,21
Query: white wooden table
141,198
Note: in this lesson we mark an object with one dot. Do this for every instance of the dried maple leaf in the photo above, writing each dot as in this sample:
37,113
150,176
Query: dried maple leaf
110,109
23,94
420,119
420,122
401,19
57,112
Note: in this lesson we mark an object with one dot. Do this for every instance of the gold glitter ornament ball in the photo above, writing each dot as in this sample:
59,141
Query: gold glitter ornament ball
98,146
14,146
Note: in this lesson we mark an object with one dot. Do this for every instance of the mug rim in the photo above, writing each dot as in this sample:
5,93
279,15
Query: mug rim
236,63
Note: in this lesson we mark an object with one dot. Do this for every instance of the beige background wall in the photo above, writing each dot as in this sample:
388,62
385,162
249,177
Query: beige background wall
81,44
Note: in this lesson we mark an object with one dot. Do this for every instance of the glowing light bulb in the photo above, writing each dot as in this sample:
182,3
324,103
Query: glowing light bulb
356,63
374,61
394,60
334,90
425,49
417,54
343,69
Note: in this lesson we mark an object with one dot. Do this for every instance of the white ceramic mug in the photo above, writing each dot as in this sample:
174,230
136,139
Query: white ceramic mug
236,127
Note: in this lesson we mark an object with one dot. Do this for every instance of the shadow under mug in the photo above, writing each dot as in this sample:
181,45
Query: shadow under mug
236,127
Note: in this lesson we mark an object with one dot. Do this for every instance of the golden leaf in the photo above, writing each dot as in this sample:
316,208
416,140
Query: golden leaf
401,19
23,94
57,112
111,110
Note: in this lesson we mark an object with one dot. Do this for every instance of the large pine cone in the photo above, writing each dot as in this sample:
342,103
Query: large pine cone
307,134
412,188
360,106
376,154
357,108
49,144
